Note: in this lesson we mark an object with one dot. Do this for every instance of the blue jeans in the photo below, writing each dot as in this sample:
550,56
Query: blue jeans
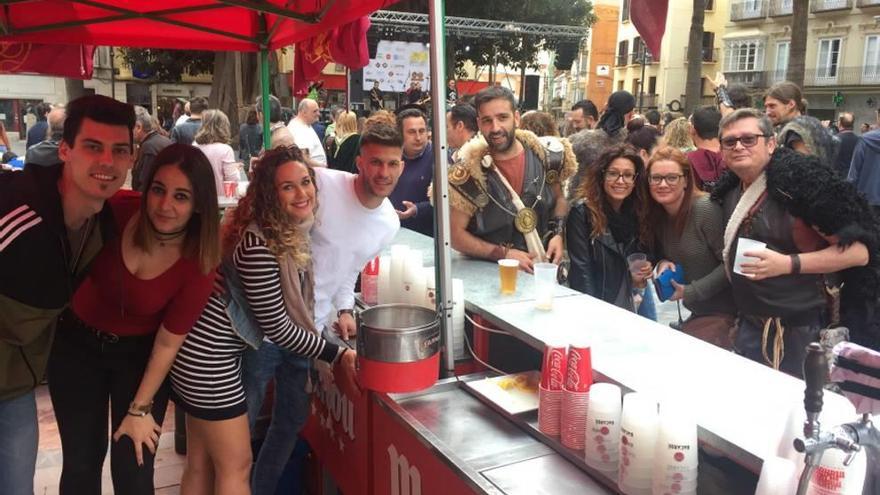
18,448
289,413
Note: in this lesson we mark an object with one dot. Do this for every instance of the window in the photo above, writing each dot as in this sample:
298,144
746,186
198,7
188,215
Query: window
635,86
829,58
871,71
622,52
710,5
781,60
652,85
708,46
624,11
744,56
620,85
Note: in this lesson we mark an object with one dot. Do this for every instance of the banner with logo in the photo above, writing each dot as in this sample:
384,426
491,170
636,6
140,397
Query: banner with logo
397,64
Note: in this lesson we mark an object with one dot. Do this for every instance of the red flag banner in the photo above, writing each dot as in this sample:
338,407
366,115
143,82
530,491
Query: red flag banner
75,61
346,45
649,18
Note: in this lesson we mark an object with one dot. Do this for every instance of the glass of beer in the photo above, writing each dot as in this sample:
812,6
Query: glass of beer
507,269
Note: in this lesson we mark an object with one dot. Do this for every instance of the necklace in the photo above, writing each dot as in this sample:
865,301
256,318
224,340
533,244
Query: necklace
165,237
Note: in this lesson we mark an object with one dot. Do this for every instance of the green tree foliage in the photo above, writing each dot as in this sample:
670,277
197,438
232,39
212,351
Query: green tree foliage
168,65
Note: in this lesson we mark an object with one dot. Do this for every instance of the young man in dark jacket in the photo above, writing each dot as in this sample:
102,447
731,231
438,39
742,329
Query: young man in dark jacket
53,222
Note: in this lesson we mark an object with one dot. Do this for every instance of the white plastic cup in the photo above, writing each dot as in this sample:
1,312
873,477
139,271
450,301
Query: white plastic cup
399,257
545,285
383,286
636,261
778,476
744,245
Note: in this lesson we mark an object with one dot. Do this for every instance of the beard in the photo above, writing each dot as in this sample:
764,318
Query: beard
505,145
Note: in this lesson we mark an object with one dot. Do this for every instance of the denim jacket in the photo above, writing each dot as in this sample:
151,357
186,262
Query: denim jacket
244,322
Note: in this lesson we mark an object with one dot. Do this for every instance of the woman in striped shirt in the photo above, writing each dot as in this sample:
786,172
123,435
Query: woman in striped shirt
267,263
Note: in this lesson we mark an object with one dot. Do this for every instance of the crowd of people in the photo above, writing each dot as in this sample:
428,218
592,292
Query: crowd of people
127,290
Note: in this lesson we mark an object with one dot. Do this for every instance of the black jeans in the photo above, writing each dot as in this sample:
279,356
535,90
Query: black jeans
86,371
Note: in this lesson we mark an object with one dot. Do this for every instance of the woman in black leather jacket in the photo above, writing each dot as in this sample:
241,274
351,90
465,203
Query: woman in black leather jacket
602,229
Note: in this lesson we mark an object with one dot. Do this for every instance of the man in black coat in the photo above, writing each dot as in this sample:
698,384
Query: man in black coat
848,142
150,143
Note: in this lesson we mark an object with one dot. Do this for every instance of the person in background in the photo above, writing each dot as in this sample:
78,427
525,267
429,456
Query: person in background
644,140
866,127
451,94
864,171
610,131
213,139
786,108
684,227
181,113
354,223
410,197
653,118
848,141
330,133
116,343
583,116
304,135
150,143
4,139
461,127
45,153
706,160
782,103
346,143
279,135
267,272
540,123
677,135
55,221
602,229
729,97
250,137
376,97
185,132
814,224
38,132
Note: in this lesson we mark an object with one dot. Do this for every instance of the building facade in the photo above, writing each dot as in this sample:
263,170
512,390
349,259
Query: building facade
842,59
665,79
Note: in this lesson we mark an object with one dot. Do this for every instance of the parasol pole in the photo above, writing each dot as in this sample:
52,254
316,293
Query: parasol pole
264,80
443,253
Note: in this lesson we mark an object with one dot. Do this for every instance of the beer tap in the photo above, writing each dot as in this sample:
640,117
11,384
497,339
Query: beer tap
848,437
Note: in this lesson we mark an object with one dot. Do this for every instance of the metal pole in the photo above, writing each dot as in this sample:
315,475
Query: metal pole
264,80
642,80
112,74
442,247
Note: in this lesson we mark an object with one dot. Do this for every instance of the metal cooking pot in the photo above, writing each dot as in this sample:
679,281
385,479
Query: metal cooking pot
397,333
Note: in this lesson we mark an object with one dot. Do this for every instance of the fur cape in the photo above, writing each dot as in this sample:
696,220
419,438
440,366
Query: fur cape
812,191
472,155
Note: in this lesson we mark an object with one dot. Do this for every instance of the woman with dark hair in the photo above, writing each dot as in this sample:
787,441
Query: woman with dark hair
602,229
685,228
250,137
268,292
128,319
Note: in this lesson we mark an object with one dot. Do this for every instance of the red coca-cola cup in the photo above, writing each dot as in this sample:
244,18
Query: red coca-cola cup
553,367
579,368
370,281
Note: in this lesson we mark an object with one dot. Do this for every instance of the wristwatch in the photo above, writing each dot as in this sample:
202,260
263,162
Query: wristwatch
344,311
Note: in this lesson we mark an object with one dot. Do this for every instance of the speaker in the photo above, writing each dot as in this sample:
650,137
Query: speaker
565,55
372,44
530,102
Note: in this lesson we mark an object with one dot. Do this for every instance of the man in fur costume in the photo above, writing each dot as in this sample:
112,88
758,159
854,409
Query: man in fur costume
815,226
506,192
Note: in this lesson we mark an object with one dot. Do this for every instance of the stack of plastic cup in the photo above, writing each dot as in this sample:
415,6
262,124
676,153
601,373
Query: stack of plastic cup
602,442
550,388
676,452
638,437
576,395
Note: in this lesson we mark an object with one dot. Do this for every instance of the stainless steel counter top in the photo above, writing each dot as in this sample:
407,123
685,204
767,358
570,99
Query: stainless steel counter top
491,453
741,406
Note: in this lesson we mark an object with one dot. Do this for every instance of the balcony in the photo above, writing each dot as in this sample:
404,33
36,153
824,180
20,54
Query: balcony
621,60
636,58
748,10
779,8
709,55
817,6
752,79
647,101
868,3
844,76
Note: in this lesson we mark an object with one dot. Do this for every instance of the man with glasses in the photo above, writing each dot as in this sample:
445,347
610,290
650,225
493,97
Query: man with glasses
813,225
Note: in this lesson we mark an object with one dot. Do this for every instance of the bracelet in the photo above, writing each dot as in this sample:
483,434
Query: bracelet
140,410
795,264
557,225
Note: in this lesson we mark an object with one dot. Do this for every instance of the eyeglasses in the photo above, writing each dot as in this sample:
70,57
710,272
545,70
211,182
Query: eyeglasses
613,175
671,179
747,140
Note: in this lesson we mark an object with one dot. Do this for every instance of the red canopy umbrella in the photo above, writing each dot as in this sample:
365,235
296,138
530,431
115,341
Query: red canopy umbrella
216,25
74,61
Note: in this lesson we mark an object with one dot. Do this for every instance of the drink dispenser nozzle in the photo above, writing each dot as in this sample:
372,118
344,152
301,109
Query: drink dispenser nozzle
815,376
